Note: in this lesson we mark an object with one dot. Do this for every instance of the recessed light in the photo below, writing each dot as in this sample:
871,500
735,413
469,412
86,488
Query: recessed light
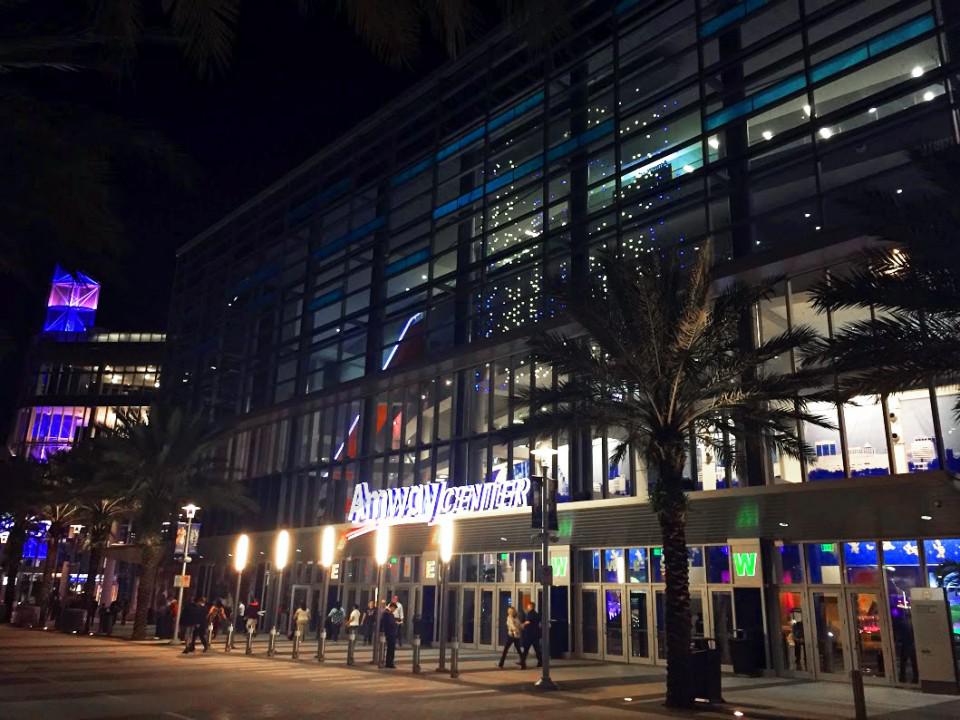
806,110
899,191
926,517
917,71
688,168
826,133
817,227
806,215
783,524
503,539
737,713
628,699
767,135
714,142
928,96
872,110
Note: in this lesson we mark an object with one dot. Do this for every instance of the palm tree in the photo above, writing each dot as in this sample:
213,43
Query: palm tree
98,515
162,464
21,496
60,515
662,358
911,280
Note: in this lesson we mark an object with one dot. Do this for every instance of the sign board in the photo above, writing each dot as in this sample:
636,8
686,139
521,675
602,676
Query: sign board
560,564
430,563
181,537
746,564
432,501
181,581
931,629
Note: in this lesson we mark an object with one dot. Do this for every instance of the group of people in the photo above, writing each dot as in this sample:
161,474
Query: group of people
522,635
197,617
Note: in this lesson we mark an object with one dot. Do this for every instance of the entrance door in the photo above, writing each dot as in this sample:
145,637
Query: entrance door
613,618
721,615
697,626
639,625
868,633
468,622
590,623
794,638
504,602
488,618
830,633
299,595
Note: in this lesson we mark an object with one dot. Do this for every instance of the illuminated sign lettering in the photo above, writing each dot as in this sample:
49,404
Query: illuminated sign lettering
427,503
745,563
560,565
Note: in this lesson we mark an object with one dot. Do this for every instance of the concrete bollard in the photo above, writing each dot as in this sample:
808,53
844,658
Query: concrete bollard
454,659
296,645
228,645
272,643
209,634
322,646
381,650
416,653
351,646
249,648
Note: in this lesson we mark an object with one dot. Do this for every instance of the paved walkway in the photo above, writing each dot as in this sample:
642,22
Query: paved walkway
89,668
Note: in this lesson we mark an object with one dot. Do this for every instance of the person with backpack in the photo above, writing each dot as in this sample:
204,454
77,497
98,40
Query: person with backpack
335,620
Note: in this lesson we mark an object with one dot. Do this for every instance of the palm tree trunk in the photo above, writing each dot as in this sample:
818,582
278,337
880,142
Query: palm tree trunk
149,561
46,584
14,553
671,512
90,586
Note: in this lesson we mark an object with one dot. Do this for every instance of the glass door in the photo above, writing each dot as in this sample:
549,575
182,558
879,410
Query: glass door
721,615
868,631
613,648
830,634
590,623
504,601
793,637
697,626
488,619
639,625
468,635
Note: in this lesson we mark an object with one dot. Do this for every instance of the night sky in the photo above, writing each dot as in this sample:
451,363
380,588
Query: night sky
295,84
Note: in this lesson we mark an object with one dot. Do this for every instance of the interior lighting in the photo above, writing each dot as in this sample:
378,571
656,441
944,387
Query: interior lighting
926,517
714,142
806,215
928,96
806,110
917,71
826,133
872,111
899,191
767,134
686,169
784,524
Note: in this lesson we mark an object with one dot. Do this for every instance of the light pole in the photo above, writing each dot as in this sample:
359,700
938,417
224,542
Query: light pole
546,569
240,552
191,510
328,539
446,553
281,551
381,555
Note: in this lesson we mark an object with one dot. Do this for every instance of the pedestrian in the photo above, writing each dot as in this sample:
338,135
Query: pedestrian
369,621
252,614
514,631
301,618
216,614
530,633
353,622
195,622
388,626
335,619
124,609
398,614
112,611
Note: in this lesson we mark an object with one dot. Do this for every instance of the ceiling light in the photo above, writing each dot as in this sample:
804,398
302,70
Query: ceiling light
806,110
784,524
714,142
826,133
767,135
806,215
899,191
817,227
926,517
688,168
928,96
917,71
872,110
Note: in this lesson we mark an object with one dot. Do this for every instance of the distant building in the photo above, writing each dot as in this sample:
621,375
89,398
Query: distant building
78,376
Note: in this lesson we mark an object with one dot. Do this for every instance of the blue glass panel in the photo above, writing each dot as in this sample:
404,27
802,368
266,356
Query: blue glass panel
779,91
838,63
637,565
735,13
624,5
900,35
407,262
860,554
325,299
345,240
411,172
564,148
901,552
307,208
722,117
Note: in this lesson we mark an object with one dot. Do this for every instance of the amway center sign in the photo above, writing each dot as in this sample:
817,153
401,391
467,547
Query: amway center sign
430,502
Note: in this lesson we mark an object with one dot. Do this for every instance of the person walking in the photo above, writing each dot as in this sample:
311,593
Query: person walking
514,631
194,617
216,614
335,619
301,619
530,633
388,626
369,620
398,614
252,614
353,622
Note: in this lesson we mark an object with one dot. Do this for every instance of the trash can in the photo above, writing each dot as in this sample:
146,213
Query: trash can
705,670
71,620
746,651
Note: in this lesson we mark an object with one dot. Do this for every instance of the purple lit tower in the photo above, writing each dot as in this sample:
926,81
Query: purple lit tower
72,305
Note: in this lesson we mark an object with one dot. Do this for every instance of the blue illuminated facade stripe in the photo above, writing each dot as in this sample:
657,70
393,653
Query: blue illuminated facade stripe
527,168
737,12
826,69
344,240
325,299
408,262
471,137
306,209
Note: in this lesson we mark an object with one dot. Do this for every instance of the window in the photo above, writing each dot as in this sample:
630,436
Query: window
614,570
589,569
637,565
823,560
718,564
860,558
788,564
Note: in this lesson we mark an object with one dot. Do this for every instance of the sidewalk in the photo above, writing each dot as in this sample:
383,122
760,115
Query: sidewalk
597,684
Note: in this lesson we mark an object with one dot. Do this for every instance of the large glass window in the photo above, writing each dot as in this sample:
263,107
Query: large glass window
861,561
823,559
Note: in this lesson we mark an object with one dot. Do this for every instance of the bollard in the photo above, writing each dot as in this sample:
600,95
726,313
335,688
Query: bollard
381,650
249,649
272,643
416,654
209,634
351,643
296,644
322,646
859,699
454,659
229,643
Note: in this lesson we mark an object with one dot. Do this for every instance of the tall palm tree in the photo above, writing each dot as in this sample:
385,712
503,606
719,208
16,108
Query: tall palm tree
98,514
162,464
659,356
911,280
60,514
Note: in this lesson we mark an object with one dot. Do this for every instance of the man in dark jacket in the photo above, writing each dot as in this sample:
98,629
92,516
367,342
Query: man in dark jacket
388,626
530,633
195,621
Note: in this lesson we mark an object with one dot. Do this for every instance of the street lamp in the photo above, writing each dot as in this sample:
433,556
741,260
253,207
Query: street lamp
281,552
328,540
542,454
446,553
381,555
240,553
191,511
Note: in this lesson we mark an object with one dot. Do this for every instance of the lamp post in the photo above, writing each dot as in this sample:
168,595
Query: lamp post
546,570
381,555
446,553
281,552
191,511
240,552
328,539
